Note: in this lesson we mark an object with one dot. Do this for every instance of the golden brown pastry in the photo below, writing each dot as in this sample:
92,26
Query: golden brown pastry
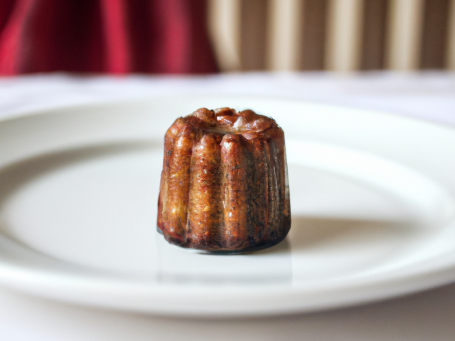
224,185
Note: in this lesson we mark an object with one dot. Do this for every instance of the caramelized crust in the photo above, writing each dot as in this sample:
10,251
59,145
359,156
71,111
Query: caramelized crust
205,202
224,184
235,170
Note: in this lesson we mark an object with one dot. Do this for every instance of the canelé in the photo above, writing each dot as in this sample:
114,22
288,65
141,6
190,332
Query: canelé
224,184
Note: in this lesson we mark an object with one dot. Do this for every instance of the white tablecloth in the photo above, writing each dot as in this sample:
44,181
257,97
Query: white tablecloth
425,316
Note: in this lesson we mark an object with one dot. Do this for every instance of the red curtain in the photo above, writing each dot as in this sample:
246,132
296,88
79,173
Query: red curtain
109,36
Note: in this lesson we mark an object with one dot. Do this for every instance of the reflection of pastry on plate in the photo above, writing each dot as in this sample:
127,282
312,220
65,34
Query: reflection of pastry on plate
224,184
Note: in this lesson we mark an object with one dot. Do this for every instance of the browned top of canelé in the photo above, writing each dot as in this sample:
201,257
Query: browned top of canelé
226,121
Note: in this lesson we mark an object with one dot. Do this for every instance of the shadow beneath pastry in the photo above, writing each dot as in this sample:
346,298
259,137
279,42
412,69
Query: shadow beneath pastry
317,236
179,265
322,235
280,248
309,233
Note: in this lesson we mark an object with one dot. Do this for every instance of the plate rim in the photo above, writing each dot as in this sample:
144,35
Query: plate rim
14,276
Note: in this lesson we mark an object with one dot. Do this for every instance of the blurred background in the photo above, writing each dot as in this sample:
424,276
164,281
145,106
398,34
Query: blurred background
339,35
208,36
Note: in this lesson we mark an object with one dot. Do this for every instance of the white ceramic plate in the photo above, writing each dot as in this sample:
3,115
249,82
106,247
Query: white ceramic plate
372,198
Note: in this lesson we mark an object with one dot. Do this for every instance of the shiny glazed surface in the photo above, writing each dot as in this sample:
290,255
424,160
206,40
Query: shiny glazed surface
224,184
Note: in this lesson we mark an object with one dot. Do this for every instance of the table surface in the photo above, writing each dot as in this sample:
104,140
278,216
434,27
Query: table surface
428,315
